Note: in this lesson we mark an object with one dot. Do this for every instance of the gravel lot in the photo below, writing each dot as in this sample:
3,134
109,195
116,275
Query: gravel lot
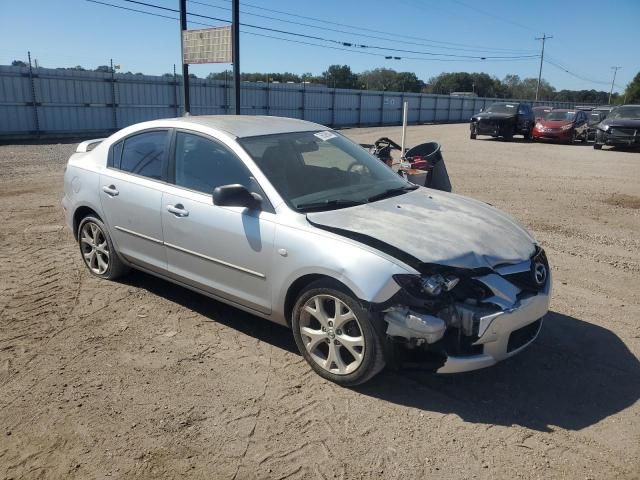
144,379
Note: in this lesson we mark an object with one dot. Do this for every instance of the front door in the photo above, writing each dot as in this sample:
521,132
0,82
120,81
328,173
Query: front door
224,250
131,195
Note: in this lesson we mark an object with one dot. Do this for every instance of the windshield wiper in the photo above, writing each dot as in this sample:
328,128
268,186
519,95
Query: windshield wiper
337,203
392,192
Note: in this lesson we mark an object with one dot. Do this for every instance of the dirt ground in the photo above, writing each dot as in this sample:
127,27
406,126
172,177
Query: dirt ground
145,379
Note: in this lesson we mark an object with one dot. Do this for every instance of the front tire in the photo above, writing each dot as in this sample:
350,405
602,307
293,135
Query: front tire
597,146
339,339
97,250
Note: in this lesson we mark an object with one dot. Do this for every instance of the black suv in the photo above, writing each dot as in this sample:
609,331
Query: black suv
503,119
620,128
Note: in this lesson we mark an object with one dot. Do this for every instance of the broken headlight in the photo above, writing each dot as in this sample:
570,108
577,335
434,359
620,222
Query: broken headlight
432,285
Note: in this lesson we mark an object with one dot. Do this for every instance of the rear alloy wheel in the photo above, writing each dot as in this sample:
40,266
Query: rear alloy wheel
97,250
336,336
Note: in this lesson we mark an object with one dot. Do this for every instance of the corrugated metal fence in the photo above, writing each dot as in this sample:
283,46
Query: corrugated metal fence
49,102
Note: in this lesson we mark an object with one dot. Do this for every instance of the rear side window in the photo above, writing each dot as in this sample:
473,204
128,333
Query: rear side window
144,154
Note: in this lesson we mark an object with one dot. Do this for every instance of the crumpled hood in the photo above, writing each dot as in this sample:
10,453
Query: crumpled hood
620,122
434,227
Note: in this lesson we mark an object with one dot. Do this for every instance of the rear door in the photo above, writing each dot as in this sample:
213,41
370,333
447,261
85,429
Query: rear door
224,250
131,196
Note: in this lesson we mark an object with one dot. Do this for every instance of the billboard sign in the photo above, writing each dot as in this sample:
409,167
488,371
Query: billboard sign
207,45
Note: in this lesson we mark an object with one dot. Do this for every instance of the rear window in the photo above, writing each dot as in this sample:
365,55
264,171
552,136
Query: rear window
144,154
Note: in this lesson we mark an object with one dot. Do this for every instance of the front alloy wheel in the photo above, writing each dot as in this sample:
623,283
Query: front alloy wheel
339,339
331,334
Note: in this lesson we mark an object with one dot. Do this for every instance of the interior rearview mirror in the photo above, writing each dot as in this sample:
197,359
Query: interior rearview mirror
236,195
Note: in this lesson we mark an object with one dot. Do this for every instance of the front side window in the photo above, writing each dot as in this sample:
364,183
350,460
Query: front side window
144,154
202,165
322,170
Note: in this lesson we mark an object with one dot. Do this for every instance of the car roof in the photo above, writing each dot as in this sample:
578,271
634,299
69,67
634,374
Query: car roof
565,110
251,125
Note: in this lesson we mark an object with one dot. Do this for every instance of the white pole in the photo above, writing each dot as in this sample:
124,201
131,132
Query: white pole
405,114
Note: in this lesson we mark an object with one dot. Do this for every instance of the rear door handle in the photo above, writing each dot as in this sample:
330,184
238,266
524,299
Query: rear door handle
178,210
111,190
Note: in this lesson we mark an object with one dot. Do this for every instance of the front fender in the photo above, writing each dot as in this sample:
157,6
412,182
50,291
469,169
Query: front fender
300,252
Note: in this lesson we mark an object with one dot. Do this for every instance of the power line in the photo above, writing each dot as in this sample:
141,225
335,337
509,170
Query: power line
580,77
395,35
338,42
427,43
495,17
360,52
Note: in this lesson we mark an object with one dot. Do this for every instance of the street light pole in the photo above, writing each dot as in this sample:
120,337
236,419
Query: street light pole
615,71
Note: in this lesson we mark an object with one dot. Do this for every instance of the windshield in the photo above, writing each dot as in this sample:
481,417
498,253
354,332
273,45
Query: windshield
541,112
511,108
322,170
596,117
632,113
555,115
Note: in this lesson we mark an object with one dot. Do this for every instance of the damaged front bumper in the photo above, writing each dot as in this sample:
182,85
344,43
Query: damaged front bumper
507,333
469,334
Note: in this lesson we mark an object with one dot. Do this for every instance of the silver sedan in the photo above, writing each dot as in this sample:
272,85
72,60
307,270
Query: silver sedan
293,222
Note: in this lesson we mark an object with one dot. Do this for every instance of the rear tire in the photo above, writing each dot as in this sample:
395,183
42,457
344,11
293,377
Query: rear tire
473,136
97,250
597,146
340,340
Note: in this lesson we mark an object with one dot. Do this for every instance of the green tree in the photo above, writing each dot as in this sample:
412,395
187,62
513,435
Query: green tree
480,83
19,63
632,92
340,76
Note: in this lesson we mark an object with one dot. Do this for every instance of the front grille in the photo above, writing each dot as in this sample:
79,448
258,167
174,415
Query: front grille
488,123
520,337
526,281
623,132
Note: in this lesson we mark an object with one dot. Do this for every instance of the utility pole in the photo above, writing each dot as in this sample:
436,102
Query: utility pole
235,25
544,38
615,71
185,66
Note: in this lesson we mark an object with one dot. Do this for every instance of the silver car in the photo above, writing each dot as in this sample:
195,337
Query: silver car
293,222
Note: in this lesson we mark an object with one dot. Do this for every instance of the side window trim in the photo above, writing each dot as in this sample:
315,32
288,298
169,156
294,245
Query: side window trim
165,158
171,175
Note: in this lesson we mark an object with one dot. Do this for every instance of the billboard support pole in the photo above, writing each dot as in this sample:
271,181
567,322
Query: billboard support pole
235,25
185,66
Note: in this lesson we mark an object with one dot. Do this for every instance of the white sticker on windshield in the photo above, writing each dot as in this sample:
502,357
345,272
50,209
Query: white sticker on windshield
325,135
510,106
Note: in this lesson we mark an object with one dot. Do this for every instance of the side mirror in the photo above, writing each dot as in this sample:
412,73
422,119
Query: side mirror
236,195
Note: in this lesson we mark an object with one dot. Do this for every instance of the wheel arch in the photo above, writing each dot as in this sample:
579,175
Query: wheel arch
81,212
294,290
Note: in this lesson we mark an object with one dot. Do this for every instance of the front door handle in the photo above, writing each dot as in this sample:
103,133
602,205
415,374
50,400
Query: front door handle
111,190
178,210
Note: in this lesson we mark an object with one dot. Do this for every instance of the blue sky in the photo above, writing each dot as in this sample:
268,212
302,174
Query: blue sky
590,36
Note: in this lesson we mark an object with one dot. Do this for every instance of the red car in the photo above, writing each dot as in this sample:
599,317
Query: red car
562,125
